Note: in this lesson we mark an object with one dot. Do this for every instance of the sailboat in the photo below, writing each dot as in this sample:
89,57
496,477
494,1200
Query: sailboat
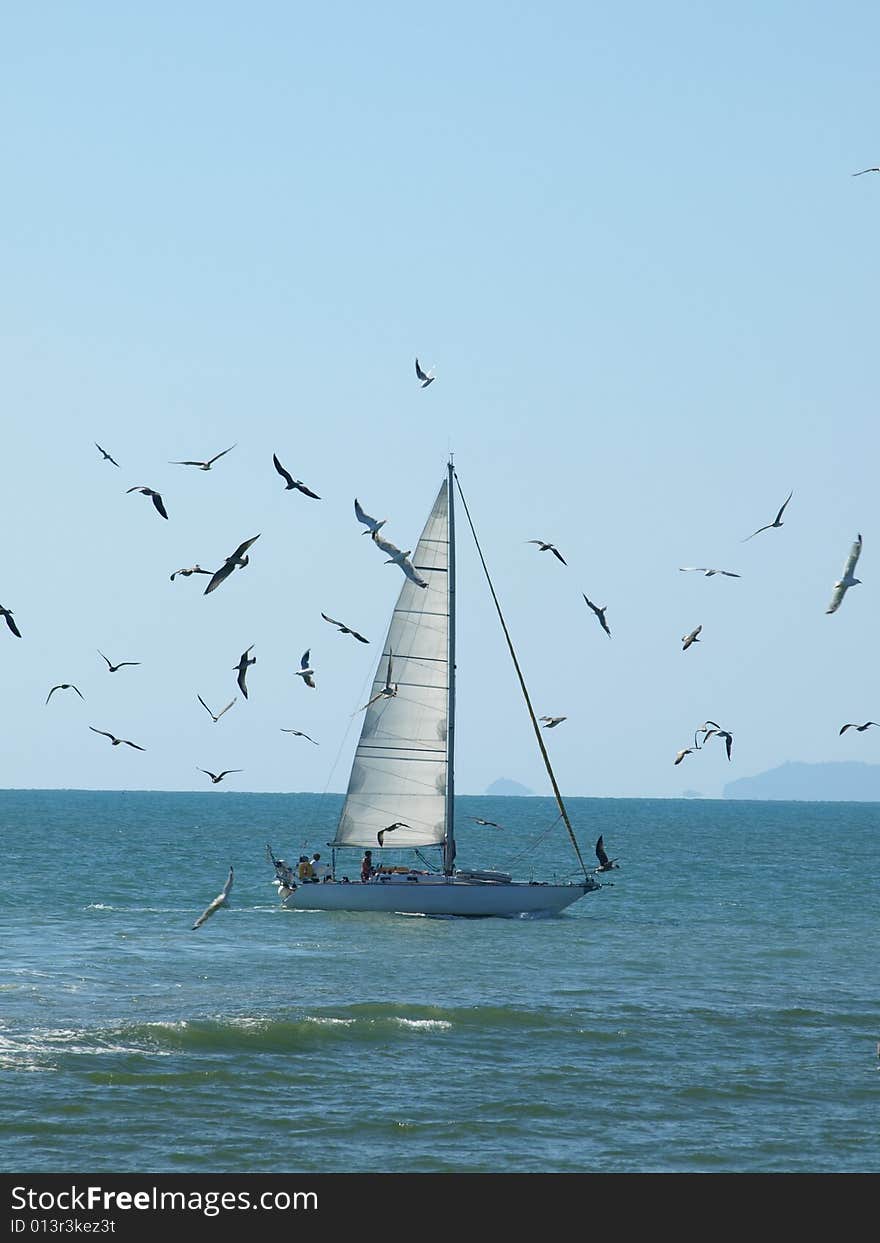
402,784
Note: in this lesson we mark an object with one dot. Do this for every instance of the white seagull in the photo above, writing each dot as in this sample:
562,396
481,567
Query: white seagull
396,557
682,753
688,639
701,569
552,721
222,899
305,671
846,580
388,691
372,524
545,547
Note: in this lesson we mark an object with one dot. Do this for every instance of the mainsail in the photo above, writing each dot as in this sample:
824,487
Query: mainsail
400,766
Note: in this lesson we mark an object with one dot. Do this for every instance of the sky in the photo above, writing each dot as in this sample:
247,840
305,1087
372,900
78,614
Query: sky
629,241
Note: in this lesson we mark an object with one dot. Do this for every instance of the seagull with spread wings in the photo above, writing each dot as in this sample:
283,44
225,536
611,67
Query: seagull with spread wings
605,864
688,639
372,524
866,170
216,718
545,547
859,728
218,777
345,629
722,733
156,498
222,899
193,569
237,561
425,377
107,457
204,465
6,614
679,755
777,521
398,824
388,691
489,824
64,686
600,614
242,668
299,734
396,557
116,741
121,665
701,569
552,721
305,671
293,483
843,584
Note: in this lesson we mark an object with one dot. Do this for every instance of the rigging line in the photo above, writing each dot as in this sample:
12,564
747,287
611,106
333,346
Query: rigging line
344,739
536,842
522,683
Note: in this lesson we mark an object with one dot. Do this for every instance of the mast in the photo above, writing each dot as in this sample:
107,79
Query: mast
449,843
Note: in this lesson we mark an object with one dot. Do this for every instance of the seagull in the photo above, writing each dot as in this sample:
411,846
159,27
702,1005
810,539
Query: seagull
242,668
682,753
194,569
867,170
7,613
552,721
157,500
489,824
688,639
345,629
305,671
218,777
600,613
605,864
777,521
220,900
398,824
204,465
234,562
548,548
107,457
706,732
426,377
843,584
216,718
388,691
722,733
293,483
64,686
860,728
117,741
397,557
372,524
299,734
122,663
701,569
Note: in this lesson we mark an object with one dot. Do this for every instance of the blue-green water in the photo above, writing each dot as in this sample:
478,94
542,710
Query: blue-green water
715,1009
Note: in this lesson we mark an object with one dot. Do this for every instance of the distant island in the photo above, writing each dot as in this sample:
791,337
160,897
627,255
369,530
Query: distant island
849,780
505,786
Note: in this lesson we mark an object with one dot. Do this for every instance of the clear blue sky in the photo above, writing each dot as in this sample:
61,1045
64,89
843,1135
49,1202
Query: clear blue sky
630,242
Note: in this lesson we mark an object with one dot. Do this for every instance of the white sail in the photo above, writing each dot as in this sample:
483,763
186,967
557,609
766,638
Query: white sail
400,765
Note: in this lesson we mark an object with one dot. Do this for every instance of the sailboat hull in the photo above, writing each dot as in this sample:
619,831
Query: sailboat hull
438,896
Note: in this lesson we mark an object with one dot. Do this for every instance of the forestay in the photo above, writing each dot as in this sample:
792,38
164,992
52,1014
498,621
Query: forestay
400,765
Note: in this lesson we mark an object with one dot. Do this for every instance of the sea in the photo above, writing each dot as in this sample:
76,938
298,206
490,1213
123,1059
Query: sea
712,1009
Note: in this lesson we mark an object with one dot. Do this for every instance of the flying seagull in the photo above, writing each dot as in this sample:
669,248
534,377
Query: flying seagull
867,170
426,377
679,756
193,569
701,569
7,613
157,500
293,483
544,547
220,900
860,728
116,741
688,639
777,521
345,629
387,691
218,777
216,718
600,613
107,457
489,824
605,864
204,465
237,561
706,732
305,671
722,733
121,665
846,581
64,686
372,524
242,668
299,734
552,721
398,824
396,557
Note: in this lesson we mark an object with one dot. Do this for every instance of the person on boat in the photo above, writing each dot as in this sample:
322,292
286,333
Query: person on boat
305,871
367,869
284,874
321,870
